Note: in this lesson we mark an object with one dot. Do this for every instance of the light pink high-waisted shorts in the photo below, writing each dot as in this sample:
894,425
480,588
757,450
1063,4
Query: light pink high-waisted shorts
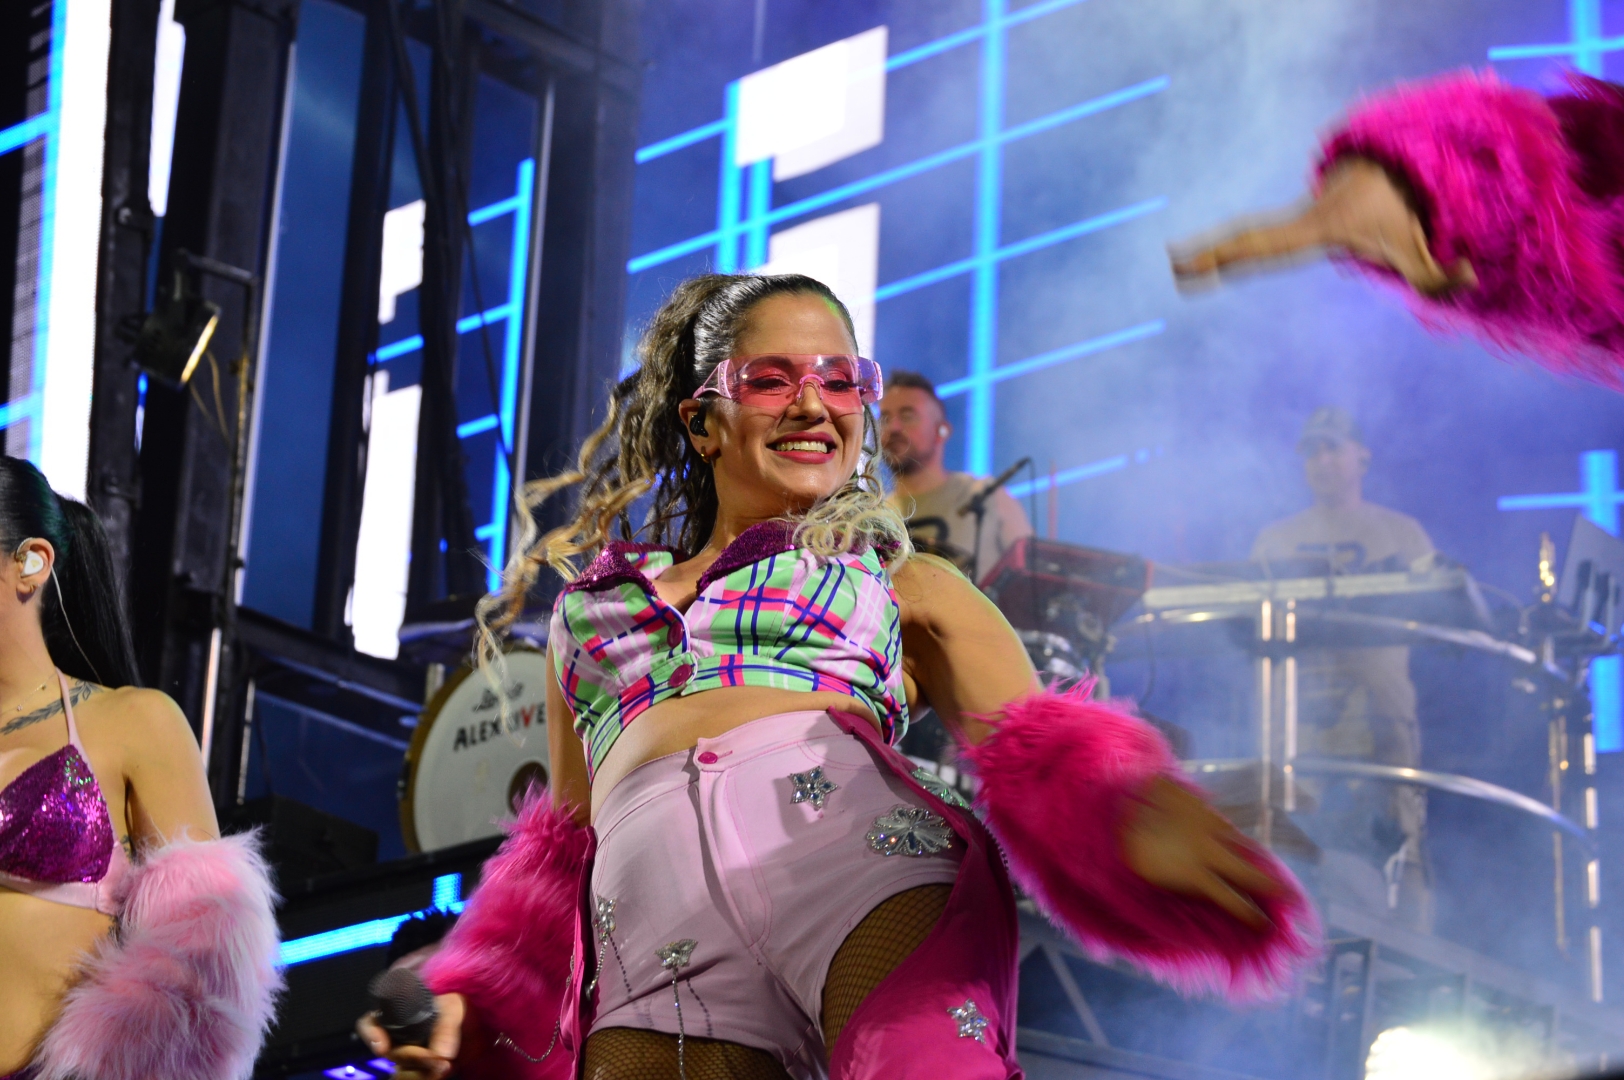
727,876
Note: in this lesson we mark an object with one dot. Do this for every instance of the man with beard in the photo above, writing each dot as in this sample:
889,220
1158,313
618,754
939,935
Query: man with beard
913,436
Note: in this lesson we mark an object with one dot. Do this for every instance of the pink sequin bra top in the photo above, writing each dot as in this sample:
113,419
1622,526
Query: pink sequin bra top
56,835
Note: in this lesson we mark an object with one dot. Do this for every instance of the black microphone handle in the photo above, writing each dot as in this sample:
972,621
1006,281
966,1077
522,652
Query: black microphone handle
979,500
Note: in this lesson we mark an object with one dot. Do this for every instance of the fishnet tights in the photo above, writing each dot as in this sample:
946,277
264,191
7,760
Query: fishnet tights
632,1054
885,937
874,948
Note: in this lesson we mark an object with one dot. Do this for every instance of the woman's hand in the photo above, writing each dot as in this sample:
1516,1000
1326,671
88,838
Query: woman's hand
1174,840
1361,210
419,1062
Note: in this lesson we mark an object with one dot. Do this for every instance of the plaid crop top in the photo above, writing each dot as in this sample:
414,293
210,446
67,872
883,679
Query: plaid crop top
766,614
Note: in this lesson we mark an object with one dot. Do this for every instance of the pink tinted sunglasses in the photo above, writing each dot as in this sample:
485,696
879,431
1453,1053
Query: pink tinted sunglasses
773,380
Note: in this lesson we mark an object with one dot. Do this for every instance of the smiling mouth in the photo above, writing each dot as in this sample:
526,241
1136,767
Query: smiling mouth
802,445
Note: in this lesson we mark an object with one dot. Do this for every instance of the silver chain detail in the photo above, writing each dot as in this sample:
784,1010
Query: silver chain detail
503,1040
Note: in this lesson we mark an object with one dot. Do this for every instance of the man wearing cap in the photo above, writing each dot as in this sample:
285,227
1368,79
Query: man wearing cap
913,437
1358,702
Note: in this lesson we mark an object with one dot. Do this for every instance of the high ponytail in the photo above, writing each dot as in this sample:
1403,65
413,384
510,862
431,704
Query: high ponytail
82,609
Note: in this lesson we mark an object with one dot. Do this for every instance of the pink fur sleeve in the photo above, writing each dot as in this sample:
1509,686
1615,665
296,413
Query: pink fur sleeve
187,988
1058,779
1499,184
510,952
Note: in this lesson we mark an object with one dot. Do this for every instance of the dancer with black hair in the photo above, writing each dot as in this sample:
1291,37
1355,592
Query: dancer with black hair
134,941
737,874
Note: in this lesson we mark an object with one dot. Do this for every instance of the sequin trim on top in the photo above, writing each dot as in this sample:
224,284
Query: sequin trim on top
766,614
53,823
56,834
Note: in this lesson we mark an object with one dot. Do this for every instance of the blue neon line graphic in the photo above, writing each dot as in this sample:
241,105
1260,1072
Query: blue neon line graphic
47,227
1534,52
508,312
469,428
1023,247
892,63
989,203
1069,476
1053,357
40,126
804,206
509,205
26,407
1607,703
369,934
1588,48
727,190
677,142
397,348
1598,496
759,205
506,409
447,891
466,324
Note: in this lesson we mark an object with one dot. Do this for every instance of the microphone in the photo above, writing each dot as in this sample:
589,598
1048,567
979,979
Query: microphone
978,502
404,1006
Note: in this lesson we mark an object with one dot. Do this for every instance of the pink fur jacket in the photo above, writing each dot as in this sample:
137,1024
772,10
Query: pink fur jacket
186,987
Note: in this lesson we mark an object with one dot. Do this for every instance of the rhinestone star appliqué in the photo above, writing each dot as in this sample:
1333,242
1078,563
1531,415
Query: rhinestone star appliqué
678,954
812,787
910,830
604,921
972,1025
940,788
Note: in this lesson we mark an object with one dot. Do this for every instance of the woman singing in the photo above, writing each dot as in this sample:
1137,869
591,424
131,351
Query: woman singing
736,874
133,942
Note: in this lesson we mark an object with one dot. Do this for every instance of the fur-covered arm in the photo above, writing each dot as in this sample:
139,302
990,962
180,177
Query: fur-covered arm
187,987
1059,777
1505,178
510,952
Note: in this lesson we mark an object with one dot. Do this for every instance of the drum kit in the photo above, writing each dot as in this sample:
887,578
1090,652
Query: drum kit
475,753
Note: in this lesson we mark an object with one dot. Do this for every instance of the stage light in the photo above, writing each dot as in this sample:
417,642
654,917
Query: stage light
383,546
814,109
1402,1053
176,333
842,250
401,266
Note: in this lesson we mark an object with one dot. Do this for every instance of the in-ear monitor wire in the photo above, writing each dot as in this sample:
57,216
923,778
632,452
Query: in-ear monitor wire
63,607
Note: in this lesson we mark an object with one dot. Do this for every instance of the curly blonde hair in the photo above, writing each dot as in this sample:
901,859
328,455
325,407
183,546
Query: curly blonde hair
642,447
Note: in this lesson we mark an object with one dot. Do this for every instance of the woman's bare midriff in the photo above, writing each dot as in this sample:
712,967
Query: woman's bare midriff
41,945
676,724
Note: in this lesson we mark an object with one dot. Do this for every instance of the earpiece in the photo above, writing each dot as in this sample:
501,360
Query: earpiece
941,431
33,563
697,424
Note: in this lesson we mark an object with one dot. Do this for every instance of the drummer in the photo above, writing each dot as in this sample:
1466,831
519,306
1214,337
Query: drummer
1358,702
913,437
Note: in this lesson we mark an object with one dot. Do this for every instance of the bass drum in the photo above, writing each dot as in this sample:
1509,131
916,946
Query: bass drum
465,770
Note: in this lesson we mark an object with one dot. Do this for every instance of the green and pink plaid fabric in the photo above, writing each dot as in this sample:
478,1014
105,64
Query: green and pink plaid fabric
767,614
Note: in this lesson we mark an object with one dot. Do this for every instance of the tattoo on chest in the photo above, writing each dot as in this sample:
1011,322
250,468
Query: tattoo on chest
78,692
